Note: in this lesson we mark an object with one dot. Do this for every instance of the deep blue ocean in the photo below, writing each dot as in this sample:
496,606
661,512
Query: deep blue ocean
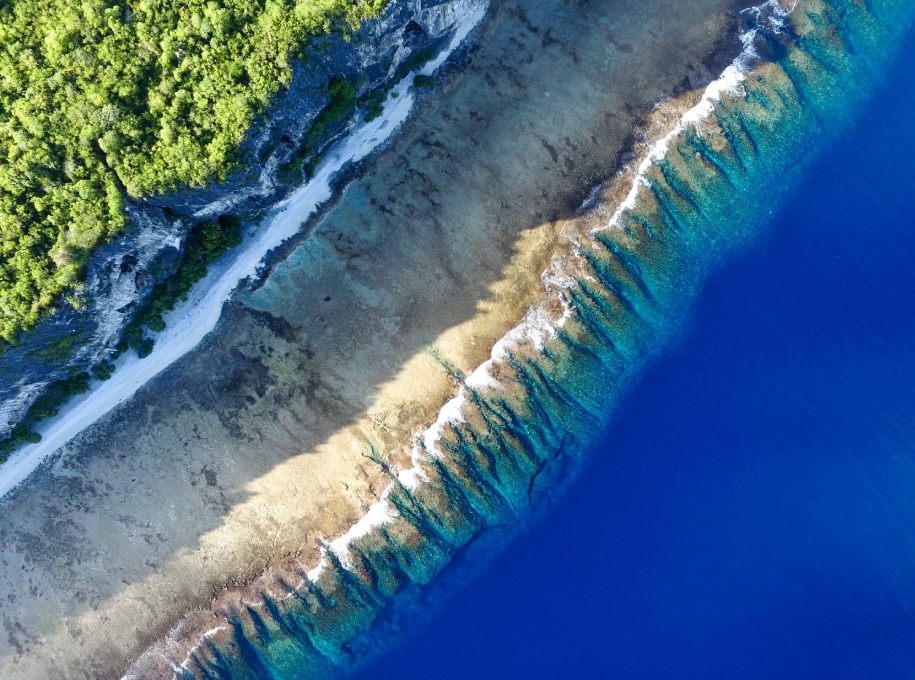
751,510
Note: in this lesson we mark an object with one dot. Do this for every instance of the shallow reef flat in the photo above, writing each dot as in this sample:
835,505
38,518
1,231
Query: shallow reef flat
615,287
222,483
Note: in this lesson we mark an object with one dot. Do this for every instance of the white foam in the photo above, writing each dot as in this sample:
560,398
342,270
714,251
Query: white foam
378,514
208,634
534,329
449,413
482,377
177,669
730,82
191,321
537,324
314,573
412,477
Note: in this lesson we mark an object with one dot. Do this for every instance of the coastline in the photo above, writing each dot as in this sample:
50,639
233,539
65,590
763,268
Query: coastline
549,384
431,369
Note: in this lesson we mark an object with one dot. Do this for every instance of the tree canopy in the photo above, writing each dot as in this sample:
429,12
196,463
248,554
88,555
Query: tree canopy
105,98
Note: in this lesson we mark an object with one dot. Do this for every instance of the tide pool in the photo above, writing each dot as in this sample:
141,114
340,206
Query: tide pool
751,511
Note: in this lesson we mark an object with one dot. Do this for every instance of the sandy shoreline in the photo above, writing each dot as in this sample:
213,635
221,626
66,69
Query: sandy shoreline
262,440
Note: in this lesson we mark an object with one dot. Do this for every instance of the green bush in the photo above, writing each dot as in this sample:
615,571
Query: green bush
145,347
415,61
47,405
204,244
373,103
103,370
58,351
341,106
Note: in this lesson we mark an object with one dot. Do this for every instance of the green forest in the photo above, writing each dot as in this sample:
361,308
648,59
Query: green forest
104,98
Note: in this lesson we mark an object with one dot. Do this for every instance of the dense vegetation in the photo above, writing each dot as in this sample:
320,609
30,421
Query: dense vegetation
341,105
102,98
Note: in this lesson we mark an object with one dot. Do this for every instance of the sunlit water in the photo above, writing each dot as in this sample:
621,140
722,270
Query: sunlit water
751,512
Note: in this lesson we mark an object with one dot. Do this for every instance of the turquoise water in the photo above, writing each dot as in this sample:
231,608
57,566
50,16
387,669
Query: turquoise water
751,513
698,541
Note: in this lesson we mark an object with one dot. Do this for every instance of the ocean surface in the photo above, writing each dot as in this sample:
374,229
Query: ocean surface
751,510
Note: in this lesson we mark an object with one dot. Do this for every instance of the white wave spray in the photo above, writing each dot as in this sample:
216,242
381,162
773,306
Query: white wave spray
771,15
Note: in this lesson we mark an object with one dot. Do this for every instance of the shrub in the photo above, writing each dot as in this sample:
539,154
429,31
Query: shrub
103,370
204,244
46,406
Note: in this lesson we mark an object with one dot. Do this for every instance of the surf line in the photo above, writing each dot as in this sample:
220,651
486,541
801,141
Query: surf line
539,323
771,14
193,319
